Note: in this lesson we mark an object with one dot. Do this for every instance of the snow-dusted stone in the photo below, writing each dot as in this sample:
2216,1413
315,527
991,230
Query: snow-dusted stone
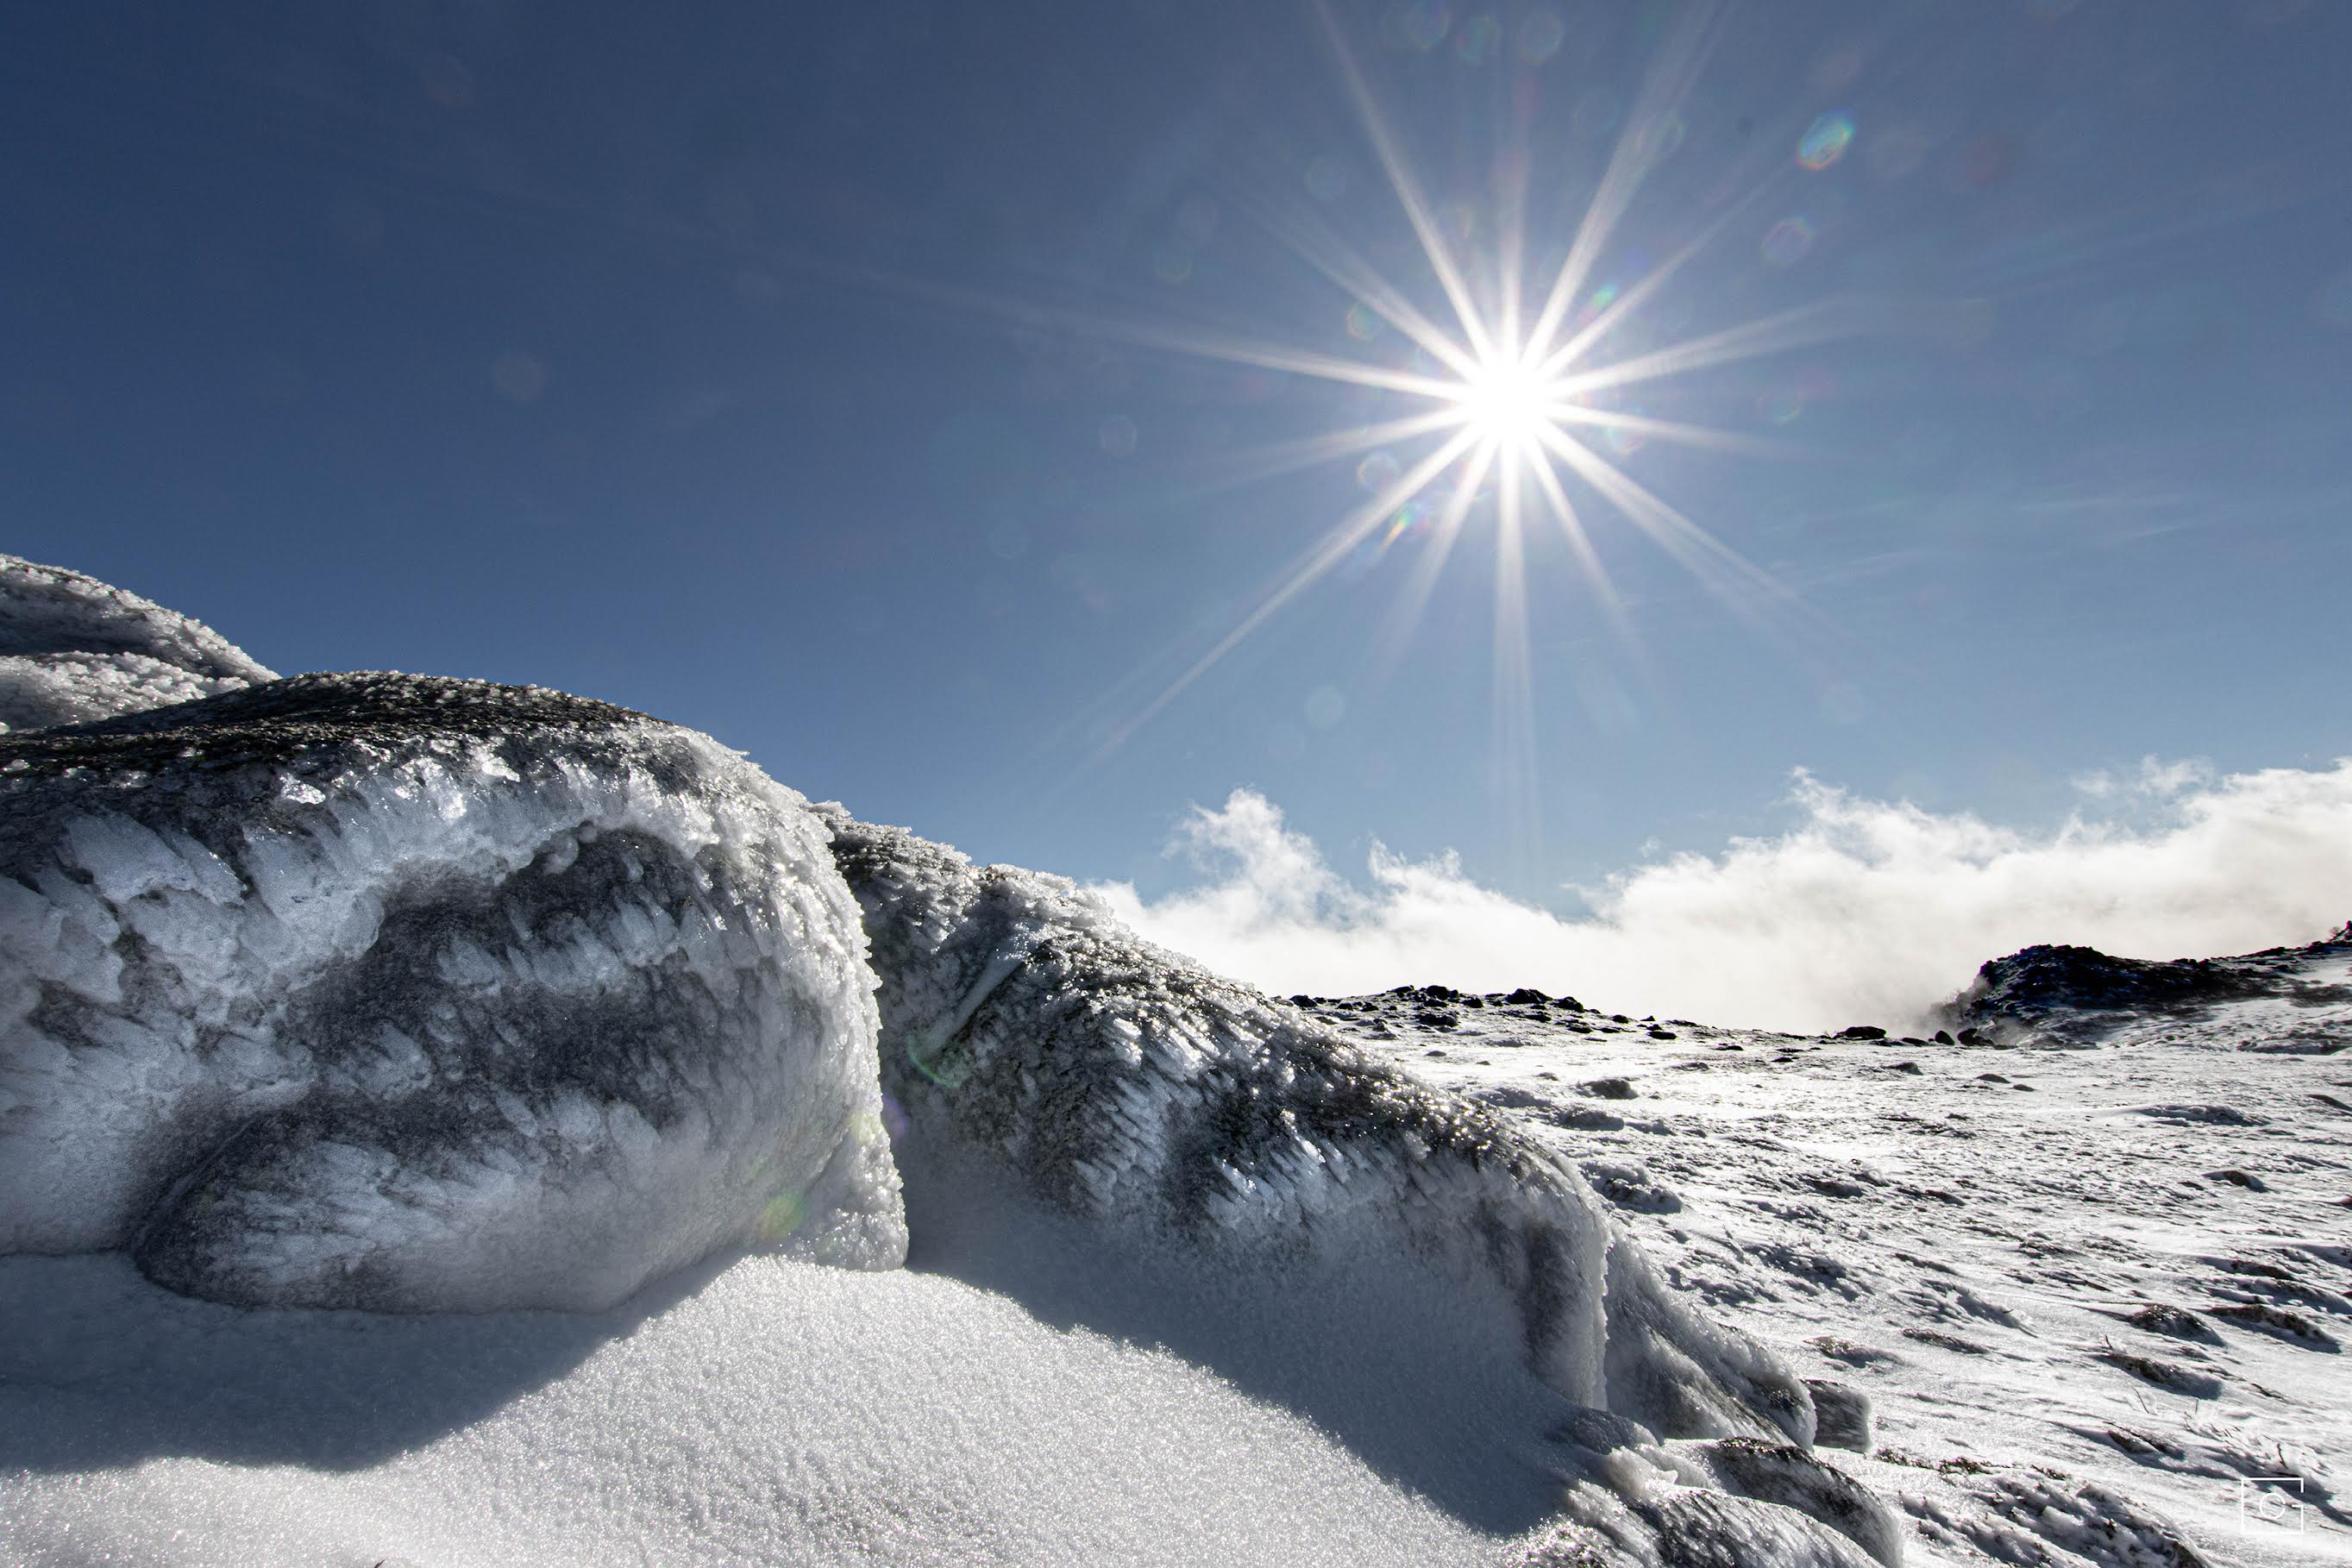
1841,1415
1665,1526
410,993
73,649
1045,1053
1777,1473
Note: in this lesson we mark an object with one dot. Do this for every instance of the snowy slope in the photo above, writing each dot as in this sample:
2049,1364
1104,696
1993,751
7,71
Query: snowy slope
2094,1286
1972,1253
776,1413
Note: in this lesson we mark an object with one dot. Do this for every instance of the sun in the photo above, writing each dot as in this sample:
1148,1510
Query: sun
1508,401
1513,409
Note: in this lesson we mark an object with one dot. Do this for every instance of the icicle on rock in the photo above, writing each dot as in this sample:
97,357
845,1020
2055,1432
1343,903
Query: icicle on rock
73,649
1041,1049
407,993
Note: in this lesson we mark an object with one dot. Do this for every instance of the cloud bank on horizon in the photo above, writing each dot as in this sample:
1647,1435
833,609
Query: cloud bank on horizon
1862,911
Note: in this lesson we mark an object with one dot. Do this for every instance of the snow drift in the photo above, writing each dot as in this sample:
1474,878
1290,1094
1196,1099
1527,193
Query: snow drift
73,649
414,994
380,991
1046,1056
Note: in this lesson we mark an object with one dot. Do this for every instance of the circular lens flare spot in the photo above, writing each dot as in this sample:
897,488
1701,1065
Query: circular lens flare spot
1825,140
1378,472
1788,241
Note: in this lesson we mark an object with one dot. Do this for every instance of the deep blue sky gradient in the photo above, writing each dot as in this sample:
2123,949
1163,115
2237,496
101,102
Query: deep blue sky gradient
730,366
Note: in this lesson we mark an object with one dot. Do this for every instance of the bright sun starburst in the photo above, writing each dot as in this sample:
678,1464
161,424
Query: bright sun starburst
1520,410
1508,401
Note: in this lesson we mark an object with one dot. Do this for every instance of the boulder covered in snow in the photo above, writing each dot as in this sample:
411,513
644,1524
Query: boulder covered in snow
2078,995
73,649
1046,1056
398,992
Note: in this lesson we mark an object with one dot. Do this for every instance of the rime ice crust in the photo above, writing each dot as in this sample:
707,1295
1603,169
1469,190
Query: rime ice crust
409,993
73,649
1040,1047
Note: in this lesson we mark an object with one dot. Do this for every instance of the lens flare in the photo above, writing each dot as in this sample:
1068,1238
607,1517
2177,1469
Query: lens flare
1516,385
1825,140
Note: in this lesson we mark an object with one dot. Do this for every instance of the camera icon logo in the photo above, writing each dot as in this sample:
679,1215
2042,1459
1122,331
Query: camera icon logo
2270,1502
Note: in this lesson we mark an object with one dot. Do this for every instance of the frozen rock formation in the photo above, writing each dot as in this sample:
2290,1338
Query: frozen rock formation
407,993
72,649
2079,995
1043,1051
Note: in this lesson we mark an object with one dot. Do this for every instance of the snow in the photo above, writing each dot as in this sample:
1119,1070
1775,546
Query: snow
768,1412
73,649
348,1022
1048,1058
2082,1337
425,995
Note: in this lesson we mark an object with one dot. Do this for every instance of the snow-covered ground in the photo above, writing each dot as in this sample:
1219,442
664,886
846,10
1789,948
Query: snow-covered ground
1192,1275
768,1412
2091,1287
2094,1294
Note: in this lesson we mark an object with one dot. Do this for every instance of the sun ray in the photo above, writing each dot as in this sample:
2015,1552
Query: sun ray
1504,390
1796,328
1638,148
1412,599
1275,458
1627,303
1313,243
1205,344
1666,430
1580,542
1737,583
1328,553
1514,679
1408,191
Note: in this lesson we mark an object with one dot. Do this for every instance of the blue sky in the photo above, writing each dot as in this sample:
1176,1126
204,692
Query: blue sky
805,374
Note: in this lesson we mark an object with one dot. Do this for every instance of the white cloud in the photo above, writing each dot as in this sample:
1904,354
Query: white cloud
1864,911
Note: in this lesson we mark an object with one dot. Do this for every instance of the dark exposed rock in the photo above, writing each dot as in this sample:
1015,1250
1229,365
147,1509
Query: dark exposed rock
2176,1322
2038,987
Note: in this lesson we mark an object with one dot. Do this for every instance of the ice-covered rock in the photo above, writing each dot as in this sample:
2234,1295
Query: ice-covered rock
1777,1473
1045,1054
73,649
2079,995
1688,1527
400,993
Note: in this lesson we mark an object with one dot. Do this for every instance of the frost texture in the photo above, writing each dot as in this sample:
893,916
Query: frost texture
2027,1515
1042,1050
73,649
1684,1527
408,993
